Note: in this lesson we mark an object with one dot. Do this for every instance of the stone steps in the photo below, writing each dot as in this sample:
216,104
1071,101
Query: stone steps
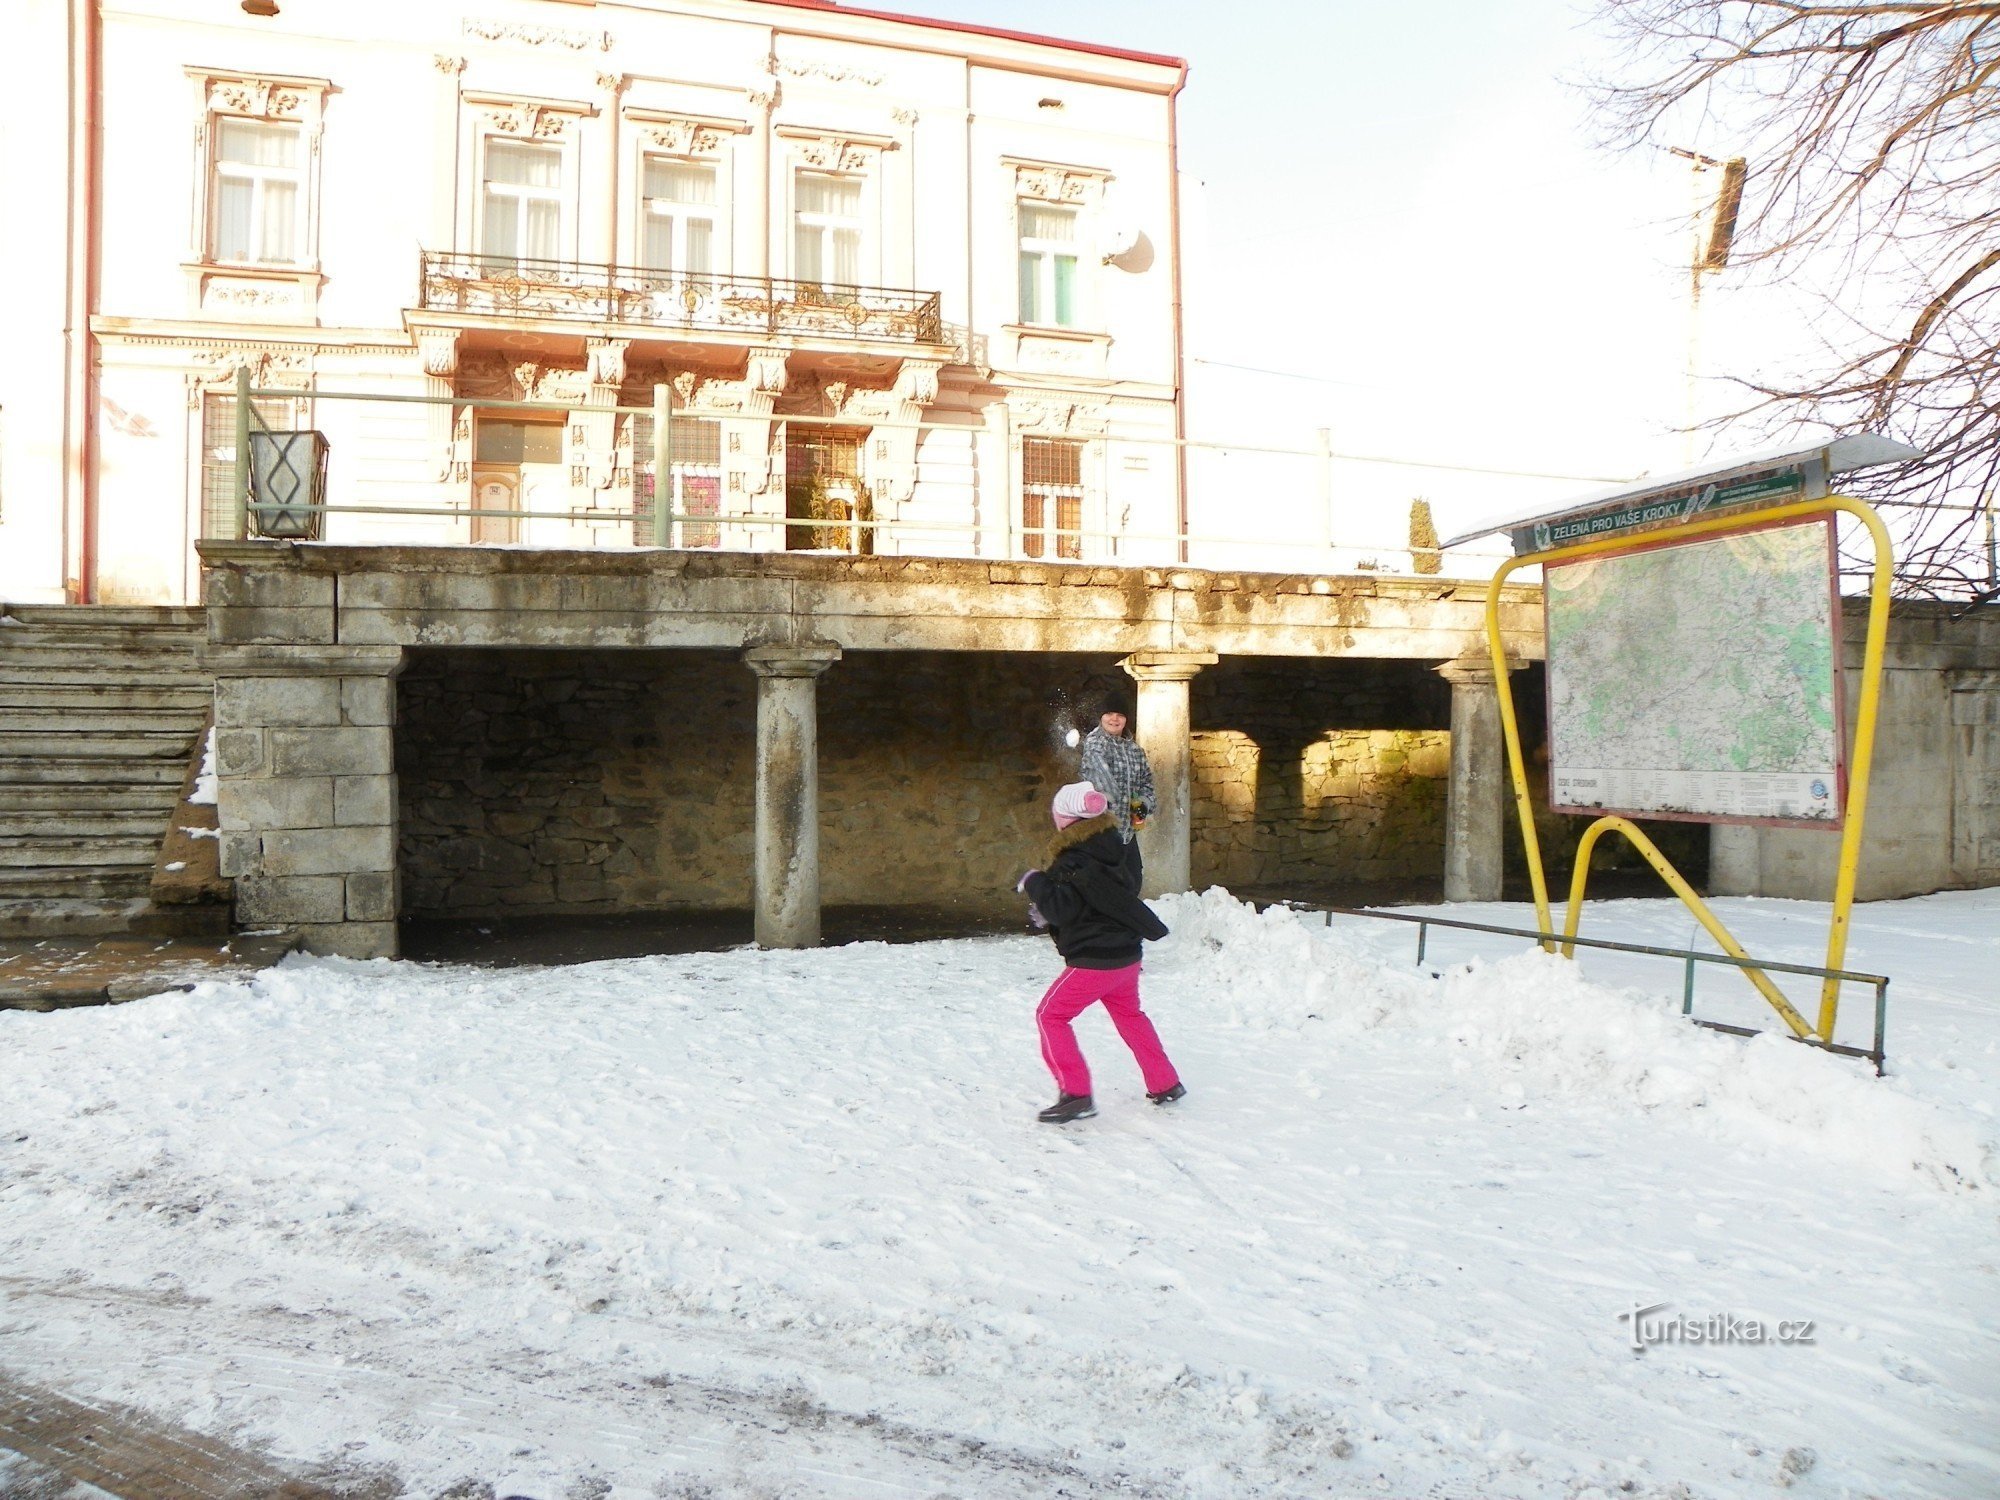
91,697
101,709
78,850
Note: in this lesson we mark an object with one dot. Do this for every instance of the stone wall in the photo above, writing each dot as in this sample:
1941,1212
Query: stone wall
539,782
1312,774
554,781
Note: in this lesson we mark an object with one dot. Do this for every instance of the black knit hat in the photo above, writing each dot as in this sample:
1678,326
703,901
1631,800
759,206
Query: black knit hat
1114,701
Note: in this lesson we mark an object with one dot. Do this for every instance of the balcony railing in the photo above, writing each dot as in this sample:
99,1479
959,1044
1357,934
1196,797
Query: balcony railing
759,306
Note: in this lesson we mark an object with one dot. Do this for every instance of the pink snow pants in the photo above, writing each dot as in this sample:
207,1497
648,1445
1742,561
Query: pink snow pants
1074,992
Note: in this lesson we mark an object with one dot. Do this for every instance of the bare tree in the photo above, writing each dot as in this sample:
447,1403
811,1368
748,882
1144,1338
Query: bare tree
1873,137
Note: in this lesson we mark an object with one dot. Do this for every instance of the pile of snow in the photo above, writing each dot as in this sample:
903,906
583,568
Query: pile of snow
204,779
1531,1024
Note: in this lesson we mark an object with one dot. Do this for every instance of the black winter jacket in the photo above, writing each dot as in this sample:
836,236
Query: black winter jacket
1089,891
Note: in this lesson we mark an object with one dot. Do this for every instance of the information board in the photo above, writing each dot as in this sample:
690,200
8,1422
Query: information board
1699,680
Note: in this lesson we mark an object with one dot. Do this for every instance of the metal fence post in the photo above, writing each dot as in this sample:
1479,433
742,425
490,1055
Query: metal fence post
240,490
663,465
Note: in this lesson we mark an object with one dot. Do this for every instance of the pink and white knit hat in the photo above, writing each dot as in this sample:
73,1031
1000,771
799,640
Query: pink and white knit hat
1075,802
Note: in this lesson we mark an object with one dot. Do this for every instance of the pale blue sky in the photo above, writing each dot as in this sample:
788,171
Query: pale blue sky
1405,201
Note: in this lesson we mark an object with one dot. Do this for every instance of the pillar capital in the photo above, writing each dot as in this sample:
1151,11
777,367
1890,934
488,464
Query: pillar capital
1473,668
791,661
1167,666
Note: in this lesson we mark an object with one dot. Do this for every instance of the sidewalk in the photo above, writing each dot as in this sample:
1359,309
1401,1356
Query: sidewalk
49,973
49,1442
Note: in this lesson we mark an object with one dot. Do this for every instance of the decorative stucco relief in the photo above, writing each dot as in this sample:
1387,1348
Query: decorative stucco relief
571,39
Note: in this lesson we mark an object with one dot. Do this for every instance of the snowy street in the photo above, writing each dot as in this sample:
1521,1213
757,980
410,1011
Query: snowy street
784,1224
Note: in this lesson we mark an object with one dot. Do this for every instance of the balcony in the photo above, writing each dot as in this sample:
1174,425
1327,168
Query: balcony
750,307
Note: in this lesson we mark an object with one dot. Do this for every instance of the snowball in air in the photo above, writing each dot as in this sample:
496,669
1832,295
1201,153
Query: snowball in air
1071,738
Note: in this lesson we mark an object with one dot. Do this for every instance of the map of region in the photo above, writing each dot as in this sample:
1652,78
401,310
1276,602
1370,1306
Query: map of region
1698,680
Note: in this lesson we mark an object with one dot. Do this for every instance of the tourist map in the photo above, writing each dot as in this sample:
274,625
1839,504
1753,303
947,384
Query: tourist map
1698,680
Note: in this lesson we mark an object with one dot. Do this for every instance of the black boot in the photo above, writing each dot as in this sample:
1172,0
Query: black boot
1066,1108
1168,1096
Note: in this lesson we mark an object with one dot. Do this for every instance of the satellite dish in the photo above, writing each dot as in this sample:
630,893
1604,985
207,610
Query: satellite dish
1119,237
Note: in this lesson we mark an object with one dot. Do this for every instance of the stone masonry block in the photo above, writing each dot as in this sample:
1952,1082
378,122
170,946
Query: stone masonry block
350,939
374,896
255,803
270,627
259,702
239,752
291,899
239,854
329,851
364,799
332,752
268,588
368,700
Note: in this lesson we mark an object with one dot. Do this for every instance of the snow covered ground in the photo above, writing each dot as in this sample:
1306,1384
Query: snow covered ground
783,1224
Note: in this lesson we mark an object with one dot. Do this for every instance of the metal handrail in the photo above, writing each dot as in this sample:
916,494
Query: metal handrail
1689,956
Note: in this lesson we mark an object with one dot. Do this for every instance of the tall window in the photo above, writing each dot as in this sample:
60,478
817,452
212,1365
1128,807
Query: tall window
826,233
257,195
679,229
520,211
1051,496
696,468
1048,264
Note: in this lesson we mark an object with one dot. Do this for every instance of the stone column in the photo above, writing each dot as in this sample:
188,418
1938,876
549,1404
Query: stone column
1735,859
1165,842
786,892
305,751
1475,814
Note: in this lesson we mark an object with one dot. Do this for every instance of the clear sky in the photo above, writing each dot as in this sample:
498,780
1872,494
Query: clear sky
1405,203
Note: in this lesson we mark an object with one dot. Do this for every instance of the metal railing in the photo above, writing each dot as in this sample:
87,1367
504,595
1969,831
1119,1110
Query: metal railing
1688,956
1003,534
756,306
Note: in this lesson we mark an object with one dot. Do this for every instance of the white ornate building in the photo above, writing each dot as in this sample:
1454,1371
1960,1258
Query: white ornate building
879,268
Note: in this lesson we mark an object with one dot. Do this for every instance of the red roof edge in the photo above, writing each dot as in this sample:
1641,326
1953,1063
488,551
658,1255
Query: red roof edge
1160,59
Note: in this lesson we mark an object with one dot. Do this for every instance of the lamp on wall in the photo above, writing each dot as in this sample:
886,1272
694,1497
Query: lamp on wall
260,7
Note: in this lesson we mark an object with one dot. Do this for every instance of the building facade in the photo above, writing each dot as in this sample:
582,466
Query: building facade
894,285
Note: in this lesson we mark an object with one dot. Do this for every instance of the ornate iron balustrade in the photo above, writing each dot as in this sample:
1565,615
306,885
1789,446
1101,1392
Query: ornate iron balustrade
761,306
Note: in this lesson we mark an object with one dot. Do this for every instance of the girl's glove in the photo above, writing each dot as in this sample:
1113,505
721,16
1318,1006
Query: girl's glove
1035,918
1022,883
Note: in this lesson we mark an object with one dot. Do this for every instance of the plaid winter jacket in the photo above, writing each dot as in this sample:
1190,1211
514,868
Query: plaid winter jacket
1117,767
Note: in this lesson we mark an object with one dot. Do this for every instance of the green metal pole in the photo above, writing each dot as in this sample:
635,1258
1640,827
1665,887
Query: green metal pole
240,491
663,465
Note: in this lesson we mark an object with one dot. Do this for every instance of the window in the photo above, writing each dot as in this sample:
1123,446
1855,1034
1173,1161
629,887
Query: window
218,453
1048,264
826,233
678,232
520,210
257,200
697,480
1051,495
823,483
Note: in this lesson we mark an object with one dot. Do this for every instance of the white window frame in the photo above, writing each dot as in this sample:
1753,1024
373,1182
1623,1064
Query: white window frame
518,120
260,181
844,154
1045,253
827,226
518,197
268,99
679,215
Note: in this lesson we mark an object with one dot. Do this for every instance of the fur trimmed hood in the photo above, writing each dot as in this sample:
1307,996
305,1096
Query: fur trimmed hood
1077,833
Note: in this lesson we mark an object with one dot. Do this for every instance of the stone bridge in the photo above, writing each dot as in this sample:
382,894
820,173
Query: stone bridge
306,643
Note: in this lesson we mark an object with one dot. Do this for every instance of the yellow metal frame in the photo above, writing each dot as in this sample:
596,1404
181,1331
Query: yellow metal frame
1859,764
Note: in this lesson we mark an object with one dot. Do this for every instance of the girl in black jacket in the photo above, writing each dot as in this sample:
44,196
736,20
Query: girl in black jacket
1089,894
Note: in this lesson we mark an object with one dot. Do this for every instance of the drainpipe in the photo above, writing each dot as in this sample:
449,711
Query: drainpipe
79,512
1180,351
